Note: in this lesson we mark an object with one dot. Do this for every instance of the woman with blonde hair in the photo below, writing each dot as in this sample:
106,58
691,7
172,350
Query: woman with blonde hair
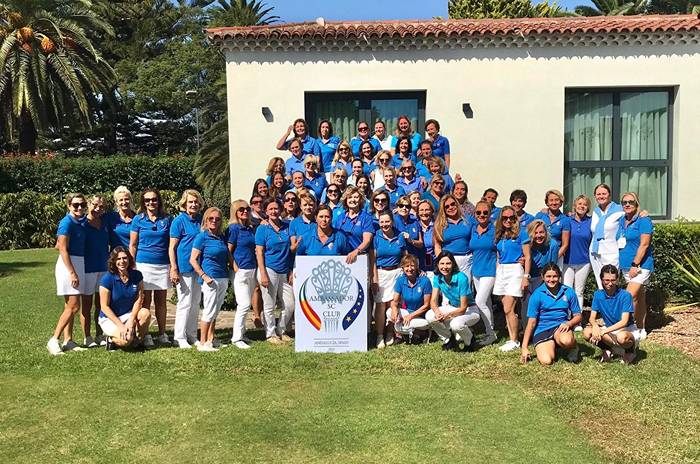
381,161
355,223
543,250
558,223
343,158
183,231
304,221
452,232
435,191
404,129
577,263
241,245
96,256
276,164
211,259
119,221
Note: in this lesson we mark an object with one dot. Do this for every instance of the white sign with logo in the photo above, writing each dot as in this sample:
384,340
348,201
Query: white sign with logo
330,304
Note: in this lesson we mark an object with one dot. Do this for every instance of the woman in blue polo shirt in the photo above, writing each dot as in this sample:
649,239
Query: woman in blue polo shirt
455,314
96,255
552,312
512,278
304,222
122,316
437,167
241,244
403,129
452,233
426,213
543,250
408,180
274,166
391,187
261,187
119,221
183,230
577,263
409,226
636,255
404,152
295,163
441,146
482,242
328,144
274,260
299,130
211,260
558,223
343,158
435,191
355,223
357,171
322,239
618,335
150,238
312,179
70,267
367,155
412,292
389,246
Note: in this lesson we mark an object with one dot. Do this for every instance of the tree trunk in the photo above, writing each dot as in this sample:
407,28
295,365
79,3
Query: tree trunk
27,134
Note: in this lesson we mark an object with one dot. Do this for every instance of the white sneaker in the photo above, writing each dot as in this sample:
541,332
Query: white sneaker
90,342
183,345
389,340
578,328
70,345
572,355
241,345
54,347
148,342
642,334
380,343
164,339
101,340
206,347
510,345
488,339
216,343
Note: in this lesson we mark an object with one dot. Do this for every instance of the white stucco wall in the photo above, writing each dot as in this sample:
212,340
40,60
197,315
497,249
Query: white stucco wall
516,137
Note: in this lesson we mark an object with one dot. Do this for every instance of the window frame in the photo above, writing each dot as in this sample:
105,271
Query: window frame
616,164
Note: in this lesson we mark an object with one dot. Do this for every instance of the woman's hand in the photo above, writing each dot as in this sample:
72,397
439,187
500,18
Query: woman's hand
174,275
264,279
563,328
524,284
439,315
596,335
207,280
407,319
352,256
290,278
524,355
634,272
74,280
394,318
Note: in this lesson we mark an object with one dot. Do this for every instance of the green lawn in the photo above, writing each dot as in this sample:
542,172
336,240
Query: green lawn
403,404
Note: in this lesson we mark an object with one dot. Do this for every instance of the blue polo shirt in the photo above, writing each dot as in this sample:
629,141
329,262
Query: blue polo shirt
495,212
552,310
511,250
243,240
455,237
423,171
416,139
310,146
318,184
633,237
449,183
389,251
185,229
413,295
277,247
434,201
441,146
294,164
340,164
356,141
410,186
526,219
397,161
368,167
96,247
394,195
354,228
579,242
429,255
484,249
74,229
311,245
154,238
328,149
119,231
611,308
412,227
557,227
122,295
299,226
214,254
453,291
539,257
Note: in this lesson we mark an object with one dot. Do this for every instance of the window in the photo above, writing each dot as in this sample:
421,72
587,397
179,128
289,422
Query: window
621,138
346,109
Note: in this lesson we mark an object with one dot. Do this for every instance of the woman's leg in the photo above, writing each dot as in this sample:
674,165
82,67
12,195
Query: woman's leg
159,298
183,308
86,313
286,296
243,288
71,306
545,352
596,266
439,327
638,292
257,305
484,286
379,319
143,321
580,279
511,318
269,298
565,340
96,315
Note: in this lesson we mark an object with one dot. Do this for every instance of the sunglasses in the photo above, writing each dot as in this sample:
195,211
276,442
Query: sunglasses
362,129
383,160
404,205
628,203
286,200
150,200
508,218
407,169
481,213
256,202
380,200
244,209
78,205
450,205
343,149
438,182
214,219
333,191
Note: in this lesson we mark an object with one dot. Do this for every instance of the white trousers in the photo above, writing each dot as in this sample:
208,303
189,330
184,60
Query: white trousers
279,288
189,294
243,287
598,261
213,296
457,325
418,323
464,262
484,287
575,276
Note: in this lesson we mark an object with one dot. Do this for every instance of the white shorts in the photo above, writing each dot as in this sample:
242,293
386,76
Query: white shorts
387,280
92,282
509,278
640,279
63,284
632,328
110,328
155,276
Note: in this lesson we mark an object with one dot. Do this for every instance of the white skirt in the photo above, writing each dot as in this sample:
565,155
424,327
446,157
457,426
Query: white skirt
155,276
640,278
92,282
63,282
387,280
509,278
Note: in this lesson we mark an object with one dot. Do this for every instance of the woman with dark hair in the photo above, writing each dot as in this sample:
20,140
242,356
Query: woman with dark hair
452,233
122,317
355,223
558,224
357,171
362,136
404,152
332,199
367,155
278,185
322,239
364,183
482,242
426,213
403,129
461,193
299,130
454,315
381,136
552,312
290,207
440,144
391,187
150,239
379,203
261,188
304,221
409,226
295,163
518,200
328,144
256,213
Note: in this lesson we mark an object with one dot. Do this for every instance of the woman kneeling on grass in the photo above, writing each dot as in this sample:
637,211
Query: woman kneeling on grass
619,334
411,301
122,317
552,312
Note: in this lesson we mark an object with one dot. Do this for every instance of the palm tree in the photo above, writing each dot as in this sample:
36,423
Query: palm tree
674,6
51,76
612,8
241,13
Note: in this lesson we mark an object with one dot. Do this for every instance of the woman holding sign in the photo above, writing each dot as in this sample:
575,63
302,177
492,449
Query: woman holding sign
323,239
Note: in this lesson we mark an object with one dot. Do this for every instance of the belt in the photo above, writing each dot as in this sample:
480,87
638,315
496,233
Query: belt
388,268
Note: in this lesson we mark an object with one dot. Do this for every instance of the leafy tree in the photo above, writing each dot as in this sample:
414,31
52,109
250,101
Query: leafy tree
674,6
51,73
241,13
479,9
612,8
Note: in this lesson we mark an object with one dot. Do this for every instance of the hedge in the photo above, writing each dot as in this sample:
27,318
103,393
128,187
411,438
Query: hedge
59,175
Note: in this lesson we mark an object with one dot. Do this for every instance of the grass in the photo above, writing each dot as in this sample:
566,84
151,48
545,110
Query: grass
403,404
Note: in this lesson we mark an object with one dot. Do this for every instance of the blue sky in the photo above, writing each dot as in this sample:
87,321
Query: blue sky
336,10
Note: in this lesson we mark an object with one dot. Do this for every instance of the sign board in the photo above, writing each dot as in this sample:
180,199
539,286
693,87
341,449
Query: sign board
330,300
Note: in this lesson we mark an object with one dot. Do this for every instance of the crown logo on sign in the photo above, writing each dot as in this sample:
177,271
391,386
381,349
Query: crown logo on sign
332,281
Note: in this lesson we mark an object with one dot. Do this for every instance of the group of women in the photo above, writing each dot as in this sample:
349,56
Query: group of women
436,259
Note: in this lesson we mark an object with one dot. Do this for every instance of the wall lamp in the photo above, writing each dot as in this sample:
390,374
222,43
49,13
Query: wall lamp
267,114
467,110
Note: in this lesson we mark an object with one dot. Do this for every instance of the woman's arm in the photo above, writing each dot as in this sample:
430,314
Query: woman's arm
172,253
447,160
423,309
105,298
62,246
366,240
283,141
260,256
524,350
621,324
133,243
374,272
194,261
294,243
644,242
395,307
463,304
437,244
565,238
526,266
231,249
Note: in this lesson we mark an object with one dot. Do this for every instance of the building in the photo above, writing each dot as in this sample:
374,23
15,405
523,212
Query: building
532,103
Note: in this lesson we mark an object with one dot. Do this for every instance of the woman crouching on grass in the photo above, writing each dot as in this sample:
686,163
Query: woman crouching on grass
552,312
122,317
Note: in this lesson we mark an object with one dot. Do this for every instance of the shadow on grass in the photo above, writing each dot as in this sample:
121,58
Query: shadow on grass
8,268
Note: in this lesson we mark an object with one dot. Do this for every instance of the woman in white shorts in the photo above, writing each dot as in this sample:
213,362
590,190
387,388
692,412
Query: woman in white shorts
122,317
512,278
96,255
70,267
389,246
149,242
636,256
